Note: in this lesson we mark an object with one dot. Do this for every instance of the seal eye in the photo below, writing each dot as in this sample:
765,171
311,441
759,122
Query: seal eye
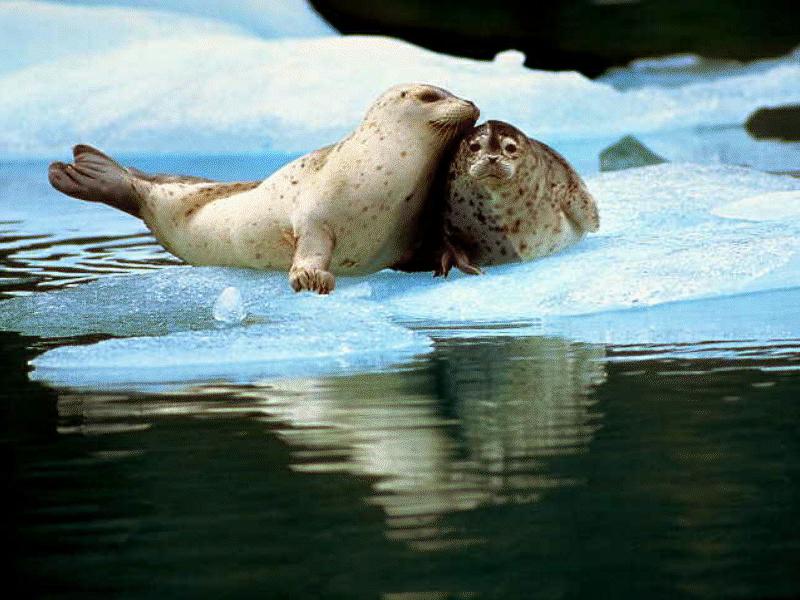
511,147
429,96
474,146
403,94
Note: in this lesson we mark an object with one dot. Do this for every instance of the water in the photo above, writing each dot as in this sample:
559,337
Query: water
638,453
499,468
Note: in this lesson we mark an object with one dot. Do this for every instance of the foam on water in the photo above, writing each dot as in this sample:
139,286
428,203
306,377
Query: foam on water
673,236
153,95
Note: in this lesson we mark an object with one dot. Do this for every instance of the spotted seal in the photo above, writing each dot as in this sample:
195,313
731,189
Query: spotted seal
349,208
509,198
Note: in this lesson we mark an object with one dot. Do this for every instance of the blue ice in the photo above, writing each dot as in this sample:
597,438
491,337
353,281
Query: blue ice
686,252
677,241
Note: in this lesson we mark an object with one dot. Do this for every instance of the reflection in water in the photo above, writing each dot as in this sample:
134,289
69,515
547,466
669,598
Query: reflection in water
472,479
477,428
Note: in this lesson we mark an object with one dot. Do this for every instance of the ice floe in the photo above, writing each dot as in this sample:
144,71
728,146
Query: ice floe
659,241
34,32
775,206
320,343
253,94
43,32
685,252
676,259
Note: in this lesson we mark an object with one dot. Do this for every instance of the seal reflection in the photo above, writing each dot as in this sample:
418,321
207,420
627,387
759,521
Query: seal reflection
480,424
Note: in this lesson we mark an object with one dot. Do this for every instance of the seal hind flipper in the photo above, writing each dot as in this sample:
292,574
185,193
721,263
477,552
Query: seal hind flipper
96,177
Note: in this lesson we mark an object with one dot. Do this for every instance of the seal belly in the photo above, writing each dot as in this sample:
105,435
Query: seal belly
365,244
243,229
249,230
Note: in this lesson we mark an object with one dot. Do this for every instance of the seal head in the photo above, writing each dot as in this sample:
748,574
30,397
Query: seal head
493,153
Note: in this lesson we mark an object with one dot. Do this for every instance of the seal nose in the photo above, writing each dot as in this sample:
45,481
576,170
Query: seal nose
492,159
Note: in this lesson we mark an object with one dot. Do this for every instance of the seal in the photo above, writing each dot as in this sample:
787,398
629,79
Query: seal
349,208
509,198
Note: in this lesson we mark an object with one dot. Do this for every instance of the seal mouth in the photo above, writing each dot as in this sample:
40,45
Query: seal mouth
461,118
451,126
492,172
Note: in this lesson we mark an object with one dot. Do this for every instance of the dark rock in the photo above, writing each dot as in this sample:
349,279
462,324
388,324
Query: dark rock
628,153
587,35
781,122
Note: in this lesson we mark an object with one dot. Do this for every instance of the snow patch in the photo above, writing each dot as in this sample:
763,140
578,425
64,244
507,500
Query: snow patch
154,95
775,206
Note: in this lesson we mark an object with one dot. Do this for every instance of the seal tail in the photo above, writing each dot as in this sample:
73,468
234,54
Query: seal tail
96,177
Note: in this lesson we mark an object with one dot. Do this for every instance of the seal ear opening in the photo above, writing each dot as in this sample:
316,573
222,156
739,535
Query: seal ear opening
95,177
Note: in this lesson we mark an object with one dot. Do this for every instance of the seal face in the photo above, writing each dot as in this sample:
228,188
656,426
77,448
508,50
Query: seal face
351,208
510,198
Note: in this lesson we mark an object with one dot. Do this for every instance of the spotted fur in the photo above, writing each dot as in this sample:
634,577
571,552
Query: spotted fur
510,198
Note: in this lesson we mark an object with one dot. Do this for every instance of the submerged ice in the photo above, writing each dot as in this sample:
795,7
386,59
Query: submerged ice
677,242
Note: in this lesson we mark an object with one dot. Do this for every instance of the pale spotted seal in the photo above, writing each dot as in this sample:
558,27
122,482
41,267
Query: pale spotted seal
509,198
349,208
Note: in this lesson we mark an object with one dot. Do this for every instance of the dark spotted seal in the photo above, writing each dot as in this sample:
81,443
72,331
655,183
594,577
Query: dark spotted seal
350,208
509,198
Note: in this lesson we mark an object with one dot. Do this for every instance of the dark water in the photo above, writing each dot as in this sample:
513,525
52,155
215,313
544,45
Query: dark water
502,468
494,467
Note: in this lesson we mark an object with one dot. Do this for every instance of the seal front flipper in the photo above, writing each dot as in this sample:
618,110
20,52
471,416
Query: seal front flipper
96,177
453,256
312,258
